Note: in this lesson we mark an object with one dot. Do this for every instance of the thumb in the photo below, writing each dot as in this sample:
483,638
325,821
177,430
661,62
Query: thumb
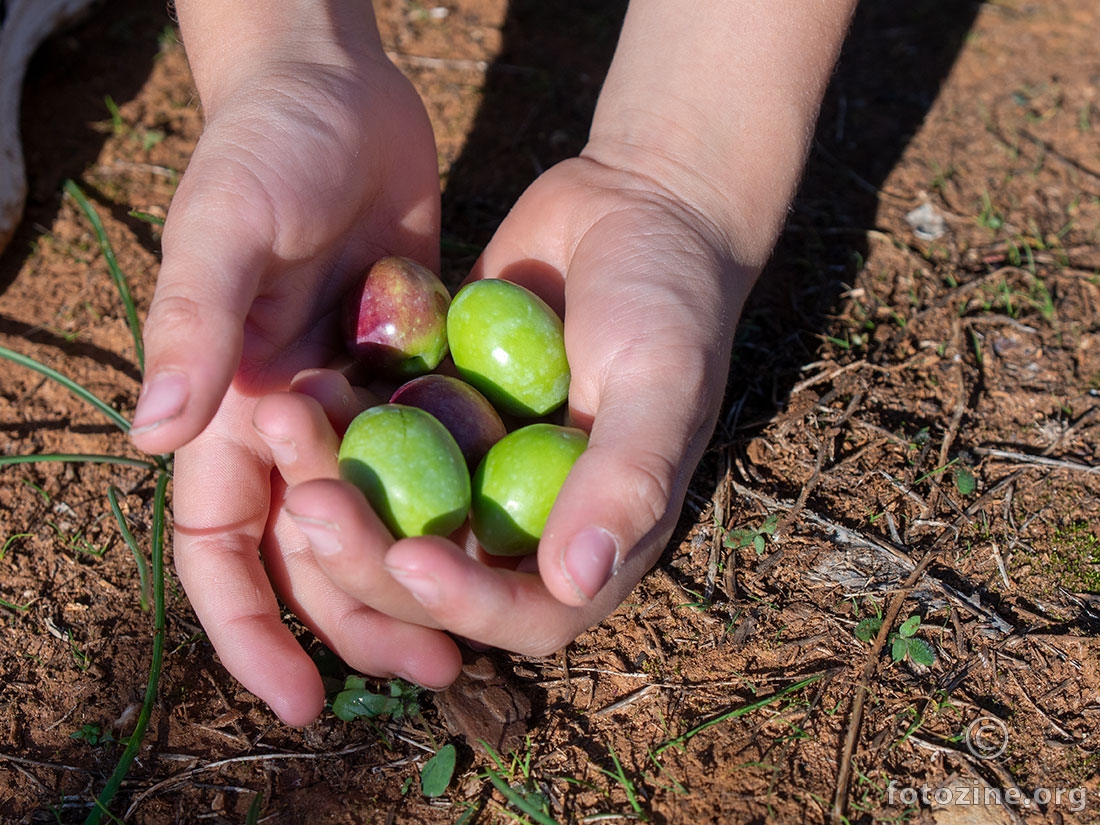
621,500
214,254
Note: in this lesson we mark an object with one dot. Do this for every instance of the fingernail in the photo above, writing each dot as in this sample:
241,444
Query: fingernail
424,588
324,536
590,560
162,398
477,647
283,450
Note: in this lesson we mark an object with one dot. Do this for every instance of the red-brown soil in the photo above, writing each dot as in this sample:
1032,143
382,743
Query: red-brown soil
911,429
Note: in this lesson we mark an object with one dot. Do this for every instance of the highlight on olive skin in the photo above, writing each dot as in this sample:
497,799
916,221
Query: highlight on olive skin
440,452
395,319
510,344
516,484
410,469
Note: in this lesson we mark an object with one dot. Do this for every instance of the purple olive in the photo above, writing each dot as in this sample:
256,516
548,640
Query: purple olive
464,411
395,320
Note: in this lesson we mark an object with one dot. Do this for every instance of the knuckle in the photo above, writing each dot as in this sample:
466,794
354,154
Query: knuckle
648,479
175,312
344,629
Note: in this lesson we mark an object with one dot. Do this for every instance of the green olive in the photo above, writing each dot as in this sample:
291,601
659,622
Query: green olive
410,469
516,484
510,344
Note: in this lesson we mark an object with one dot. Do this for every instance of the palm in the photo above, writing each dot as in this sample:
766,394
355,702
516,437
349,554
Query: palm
651,295
308,190
288,196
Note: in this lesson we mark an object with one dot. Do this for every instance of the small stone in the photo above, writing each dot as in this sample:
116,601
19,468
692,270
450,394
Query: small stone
927,222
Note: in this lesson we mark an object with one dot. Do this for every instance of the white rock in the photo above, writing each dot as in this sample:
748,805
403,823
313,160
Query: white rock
26,24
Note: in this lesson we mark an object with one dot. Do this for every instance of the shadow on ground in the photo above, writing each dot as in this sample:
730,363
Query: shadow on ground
65,118
538,101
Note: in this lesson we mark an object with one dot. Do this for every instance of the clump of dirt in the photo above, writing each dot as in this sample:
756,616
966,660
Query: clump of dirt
911,430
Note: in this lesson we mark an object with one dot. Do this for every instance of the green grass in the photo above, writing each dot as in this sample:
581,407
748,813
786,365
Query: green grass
121,284
989,217
734,713
151,576
1075,558
516,783
84,394
618,775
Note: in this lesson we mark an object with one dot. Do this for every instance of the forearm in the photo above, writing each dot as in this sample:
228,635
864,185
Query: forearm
724,123
230,41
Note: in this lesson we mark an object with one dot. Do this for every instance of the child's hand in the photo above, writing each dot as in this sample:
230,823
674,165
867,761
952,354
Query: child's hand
299,182
310,168
317,160
651,296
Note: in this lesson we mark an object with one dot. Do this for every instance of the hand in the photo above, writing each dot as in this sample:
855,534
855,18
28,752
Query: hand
657,233
306,173
317,160
651,295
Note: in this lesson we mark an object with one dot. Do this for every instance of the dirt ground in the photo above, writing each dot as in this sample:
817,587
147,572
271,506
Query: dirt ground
911,430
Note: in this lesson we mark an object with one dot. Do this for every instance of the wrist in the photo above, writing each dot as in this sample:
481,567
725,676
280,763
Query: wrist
232,43
725,125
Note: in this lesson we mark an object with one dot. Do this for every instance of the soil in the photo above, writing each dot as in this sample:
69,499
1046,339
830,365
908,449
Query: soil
911,430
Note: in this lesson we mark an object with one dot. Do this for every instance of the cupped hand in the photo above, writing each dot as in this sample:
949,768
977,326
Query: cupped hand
651,290
305,174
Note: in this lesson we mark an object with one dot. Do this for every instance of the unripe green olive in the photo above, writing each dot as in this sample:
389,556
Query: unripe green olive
516,484
410,469
510,344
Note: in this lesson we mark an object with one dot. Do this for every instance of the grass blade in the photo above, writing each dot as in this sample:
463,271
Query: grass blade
680,740
619,775
21,608
255,809
148,217
86,458
128,537
73,387
103,802
108,251
518,799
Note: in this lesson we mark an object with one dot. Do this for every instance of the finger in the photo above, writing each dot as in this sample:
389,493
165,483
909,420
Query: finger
296,429
217,244
337,397
647,334
221,499
623,495
349,543
503,608
648,347
369,641
304,445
